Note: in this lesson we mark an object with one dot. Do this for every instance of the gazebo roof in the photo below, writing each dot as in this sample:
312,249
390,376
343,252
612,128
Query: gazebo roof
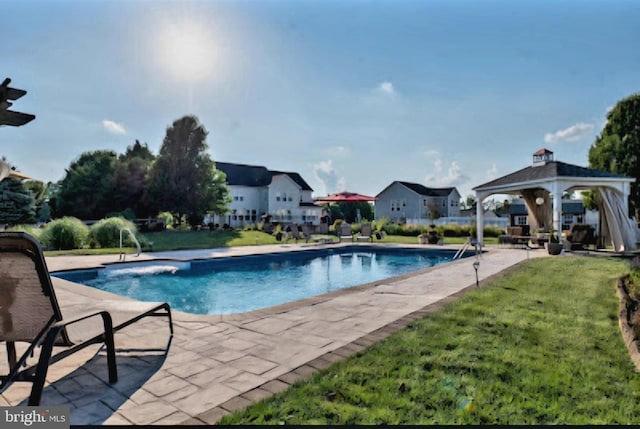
550,170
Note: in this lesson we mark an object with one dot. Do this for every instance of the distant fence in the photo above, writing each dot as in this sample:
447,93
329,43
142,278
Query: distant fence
499,222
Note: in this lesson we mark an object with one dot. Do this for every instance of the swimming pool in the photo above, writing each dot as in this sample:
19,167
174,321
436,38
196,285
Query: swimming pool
244,283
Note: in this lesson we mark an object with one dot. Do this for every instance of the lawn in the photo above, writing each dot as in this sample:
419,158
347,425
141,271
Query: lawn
180,240
187,240
537,345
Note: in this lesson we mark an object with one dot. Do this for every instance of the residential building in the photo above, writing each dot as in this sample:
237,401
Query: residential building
415,203
572,212
258,193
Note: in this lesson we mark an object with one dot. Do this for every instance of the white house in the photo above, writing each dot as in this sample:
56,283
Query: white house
415,203
256,191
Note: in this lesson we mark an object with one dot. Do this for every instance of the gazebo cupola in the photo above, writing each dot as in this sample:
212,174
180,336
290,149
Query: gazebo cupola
541,157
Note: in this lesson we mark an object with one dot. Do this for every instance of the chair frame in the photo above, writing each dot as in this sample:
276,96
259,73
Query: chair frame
54,332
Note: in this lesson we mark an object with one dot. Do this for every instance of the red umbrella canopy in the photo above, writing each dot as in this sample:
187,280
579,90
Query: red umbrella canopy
344,197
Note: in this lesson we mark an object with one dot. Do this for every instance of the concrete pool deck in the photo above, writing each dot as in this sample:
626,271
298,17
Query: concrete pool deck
216,364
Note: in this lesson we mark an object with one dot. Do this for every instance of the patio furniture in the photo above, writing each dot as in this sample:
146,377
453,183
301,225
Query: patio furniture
580,236
306,232
31,313
517,235
295,233
365,233
345,232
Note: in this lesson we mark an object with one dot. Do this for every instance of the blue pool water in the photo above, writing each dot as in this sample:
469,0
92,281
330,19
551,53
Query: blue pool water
246,283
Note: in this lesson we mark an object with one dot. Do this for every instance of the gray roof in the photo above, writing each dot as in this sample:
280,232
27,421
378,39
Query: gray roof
548,170
255,175
245,175
428,192
296,178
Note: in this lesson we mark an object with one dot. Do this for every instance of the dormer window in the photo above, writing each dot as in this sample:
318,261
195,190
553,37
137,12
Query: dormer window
541,157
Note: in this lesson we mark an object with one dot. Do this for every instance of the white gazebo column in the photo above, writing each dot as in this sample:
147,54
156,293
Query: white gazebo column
480,217
557,210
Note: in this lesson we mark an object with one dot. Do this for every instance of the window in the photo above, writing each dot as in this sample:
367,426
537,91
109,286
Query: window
520,220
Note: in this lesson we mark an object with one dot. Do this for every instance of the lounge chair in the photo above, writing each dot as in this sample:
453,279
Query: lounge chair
345,232
365,232
295,233
580,236
306,232
31,313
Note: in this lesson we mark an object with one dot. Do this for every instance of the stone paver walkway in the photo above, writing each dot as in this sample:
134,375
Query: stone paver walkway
216,364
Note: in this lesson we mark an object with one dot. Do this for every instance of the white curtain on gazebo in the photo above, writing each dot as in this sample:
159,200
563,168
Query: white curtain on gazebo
616,224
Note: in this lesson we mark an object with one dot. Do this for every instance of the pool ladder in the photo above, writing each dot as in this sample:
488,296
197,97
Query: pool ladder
135,240
464,248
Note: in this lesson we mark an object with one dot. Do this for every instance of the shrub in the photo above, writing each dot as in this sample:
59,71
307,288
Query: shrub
106,233
634,278
29,229
166,218
380,223
65,234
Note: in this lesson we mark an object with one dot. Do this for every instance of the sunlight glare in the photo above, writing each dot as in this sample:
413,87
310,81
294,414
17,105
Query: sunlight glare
186,50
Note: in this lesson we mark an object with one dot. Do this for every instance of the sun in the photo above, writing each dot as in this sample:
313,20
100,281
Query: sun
186,49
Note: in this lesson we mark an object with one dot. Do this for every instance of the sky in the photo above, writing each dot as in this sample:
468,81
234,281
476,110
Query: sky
351,94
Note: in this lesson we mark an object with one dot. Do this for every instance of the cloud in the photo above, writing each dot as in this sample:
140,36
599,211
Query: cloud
114,127
431,153
571,134
387,88
492,172
327,176
452,177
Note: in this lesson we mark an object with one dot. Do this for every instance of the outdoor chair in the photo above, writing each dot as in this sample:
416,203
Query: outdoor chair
31,313
345,232
295,233
365,232
580,236
306,232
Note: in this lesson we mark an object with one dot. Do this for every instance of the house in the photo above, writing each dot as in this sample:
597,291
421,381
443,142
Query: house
257,193
415,203
572,212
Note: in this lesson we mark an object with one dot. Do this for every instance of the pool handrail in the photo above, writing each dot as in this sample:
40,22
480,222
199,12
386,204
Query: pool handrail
135,240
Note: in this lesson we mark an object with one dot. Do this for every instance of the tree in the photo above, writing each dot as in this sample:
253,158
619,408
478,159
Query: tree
617,148
350,211
17,204
130,180
87,188
183,179
40,193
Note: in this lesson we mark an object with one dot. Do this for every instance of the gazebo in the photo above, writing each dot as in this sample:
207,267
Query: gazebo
542,185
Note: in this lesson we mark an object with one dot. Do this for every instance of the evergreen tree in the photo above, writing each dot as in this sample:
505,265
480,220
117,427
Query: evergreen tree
17,204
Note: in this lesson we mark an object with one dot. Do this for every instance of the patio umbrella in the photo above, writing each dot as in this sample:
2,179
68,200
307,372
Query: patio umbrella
7,171
344,197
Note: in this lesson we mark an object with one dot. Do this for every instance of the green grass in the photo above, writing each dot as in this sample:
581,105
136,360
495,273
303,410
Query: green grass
189,240
537,345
